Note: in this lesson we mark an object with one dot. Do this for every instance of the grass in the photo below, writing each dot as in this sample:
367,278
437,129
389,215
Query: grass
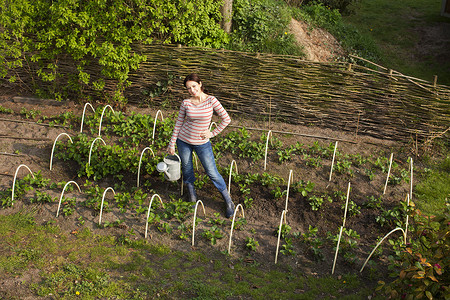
433,189
396,27
90,266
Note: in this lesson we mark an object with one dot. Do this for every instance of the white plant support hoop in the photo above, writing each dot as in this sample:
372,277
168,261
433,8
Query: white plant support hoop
154,124
92,145
411,188
84,112
148,212
182,183
407,217
332,162
211,125
14,181
232,224
195,158
291,177
140,161
269,134
398,228
101,118
283,217
101,207
346,205
337,250
62,194
195,215
229,176
54,144
389,173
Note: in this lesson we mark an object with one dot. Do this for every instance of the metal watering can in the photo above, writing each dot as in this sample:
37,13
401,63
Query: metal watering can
171,166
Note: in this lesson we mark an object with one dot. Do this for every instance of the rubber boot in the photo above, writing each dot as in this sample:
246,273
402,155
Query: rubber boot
228,203
192,194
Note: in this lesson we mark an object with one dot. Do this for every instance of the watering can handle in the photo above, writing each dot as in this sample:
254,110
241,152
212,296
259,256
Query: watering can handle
177,156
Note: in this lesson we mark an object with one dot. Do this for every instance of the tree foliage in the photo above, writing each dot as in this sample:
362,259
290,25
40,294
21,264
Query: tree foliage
39,35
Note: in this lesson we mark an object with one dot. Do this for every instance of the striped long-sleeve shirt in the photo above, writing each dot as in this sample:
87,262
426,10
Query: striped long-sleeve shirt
195,119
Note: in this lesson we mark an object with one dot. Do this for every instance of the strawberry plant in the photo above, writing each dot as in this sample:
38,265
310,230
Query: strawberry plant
315,202
285,230
286,154
42,197
68,206
278,193
213,234
373,202
267,179
288,248
314,242
352,208
217,220
251,243
303,188
248,202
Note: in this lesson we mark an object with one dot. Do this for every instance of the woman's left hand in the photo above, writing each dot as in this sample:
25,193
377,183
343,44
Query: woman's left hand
205,134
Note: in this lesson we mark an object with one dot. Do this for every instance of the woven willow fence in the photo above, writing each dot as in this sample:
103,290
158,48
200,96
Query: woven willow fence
380,103
339,96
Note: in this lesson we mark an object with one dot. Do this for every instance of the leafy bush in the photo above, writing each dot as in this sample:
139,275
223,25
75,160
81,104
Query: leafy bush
37,35
425,262
262,26
341,5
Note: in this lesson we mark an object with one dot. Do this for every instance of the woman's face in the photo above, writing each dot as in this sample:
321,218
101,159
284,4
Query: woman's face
194,88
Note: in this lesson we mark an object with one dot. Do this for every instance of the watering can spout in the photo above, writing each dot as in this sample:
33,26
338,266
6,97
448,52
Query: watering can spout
171,167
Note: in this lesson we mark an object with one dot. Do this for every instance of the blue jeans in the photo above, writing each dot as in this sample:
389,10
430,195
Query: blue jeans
206,157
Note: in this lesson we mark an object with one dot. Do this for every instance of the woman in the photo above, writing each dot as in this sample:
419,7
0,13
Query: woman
191,133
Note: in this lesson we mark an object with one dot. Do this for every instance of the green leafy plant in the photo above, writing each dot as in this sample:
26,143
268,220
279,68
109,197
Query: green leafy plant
261,26
314,242
217,220
315,202
42,33
42,197
285,230
251,243
423,264
373,202
288,247
165,227
5,110
304,188
352,208
248,202
278,193
213,234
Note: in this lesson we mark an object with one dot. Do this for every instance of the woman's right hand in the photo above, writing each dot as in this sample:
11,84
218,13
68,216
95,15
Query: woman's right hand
171,151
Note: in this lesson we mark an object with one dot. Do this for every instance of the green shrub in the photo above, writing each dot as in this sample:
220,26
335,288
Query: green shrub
262,26
341,5
99,35
425,262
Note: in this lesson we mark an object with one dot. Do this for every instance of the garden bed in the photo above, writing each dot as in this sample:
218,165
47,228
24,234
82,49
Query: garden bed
315,203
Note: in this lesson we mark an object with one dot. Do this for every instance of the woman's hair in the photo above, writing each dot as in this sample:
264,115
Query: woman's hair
193,77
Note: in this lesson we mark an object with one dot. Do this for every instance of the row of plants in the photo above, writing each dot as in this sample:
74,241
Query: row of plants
130,132
174,217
